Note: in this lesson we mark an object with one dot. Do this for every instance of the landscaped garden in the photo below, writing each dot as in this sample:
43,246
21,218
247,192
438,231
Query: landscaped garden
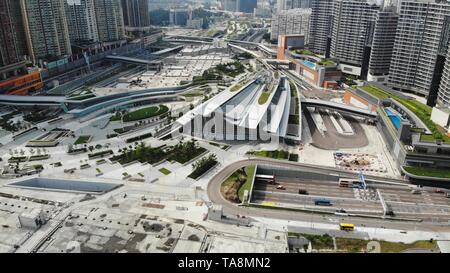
203,165
143,113
165,171
277,154
182,153
421,110
325,243
82,140
234,187
263,98
427,171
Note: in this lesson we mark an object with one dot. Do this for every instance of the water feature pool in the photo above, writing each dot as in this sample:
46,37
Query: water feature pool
395,118
309,64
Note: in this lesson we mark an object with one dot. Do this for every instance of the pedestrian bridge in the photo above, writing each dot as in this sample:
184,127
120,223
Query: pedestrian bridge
339,107
130,60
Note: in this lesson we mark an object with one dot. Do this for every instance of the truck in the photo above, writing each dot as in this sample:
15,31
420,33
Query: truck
322,202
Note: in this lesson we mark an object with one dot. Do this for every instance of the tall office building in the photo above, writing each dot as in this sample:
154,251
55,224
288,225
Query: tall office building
46,28
247,6
351,36
294,21
13,47
293,4
81,21
230,5
420,43
135,14
180,16
320,26
383,44
444,90
109,18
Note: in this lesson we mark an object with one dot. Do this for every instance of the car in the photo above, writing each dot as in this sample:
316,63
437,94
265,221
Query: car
302,191
437,190
447,195
416,192
341,211
280,187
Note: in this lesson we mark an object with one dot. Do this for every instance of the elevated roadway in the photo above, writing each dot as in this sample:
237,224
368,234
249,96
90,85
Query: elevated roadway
339,107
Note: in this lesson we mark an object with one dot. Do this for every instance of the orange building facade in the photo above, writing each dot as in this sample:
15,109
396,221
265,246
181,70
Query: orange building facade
22,85
352,99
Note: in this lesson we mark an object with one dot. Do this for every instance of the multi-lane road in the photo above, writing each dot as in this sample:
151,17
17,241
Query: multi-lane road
434,223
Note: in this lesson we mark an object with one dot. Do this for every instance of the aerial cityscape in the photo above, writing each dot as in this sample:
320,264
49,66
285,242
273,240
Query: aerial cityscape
225,126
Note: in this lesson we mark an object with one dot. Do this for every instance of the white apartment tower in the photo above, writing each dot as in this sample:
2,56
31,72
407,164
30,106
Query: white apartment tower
320,26
417,59
109,16
352,32
383,44
81,21
293,4
46,28
444,90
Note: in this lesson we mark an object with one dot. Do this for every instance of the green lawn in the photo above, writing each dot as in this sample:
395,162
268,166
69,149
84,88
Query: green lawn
236,87
358,245
326,62
263,98
390,247
277,154
304,52
165,171
250,171
421,110
143,113
82,140
431,172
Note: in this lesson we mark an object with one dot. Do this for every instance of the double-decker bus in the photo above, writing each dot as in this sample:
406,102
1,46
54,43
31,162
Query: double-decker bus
347,227
265,178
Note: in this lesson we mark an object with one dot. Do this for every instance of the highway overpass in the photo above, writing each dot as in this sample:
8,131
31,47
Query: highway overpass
339,107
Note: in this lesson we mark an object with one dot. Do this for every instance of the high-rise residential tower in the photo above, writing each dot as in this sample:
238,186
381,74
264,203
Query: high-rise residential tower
135,14
293,4
46,28
294,21
13,45
81,21
109,18
420,47
320,26
383,44
444,89
352,32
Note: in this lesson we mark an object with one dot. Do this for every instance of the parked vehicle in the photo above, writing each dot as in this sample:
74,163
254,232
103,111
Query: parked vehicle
416,192
447,195
438,190
302,191
280,187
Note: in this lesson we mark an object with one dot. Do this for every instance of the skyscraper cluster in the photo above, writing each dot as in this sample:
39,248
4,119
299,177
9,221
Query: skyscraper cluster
47,29
403,43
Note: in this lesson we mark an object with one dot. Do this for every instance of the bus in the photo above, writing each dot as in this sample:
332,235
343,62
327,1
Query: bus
347,227
349,183
322,202
265,178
